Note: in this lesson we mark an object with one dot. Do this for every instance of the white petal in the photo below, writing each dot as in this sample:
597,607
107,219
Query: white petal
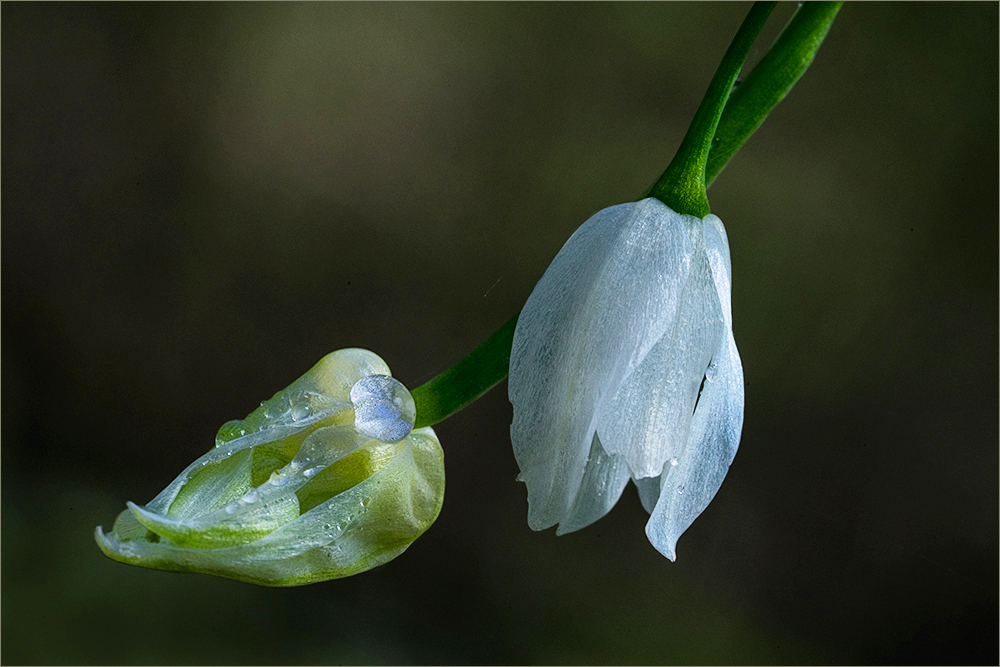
604,302
649,419
604,479
717,248
687,488
649,491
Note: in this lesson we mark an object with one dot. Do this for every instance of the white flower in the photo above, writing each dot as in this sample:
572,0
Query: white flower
624,366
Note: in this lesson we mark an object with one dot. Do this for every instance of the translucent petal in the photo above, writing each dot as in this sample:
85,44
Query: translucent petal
260,519
649,491
648,420
604,302
324,386
717,248
604,479
255,512
688,487
275,430
360,528
215,486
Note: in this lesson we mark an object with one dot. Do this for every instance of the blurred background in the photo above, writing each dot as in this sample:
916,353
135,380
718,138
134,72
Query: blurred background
200,201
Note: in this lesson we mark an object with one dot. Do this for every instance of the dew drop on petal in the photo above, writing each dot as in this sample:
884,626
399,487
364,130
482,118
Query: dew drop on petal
250,497
383,408
229,431
309,473
277,479
232,507
276,407
301,411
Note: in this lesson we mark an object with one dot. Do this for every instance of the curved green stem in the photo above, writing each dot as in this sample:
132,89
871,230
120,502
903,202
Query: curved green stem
467,380
682,185
770,81
746,109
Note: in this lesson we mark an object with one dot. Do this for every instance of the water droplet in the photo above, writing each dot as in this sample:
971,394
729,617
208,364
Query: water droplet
342,525
327,526
232,507
277,479
276,407
311,472
229,431
301,411
674,462
383,408
365,501
680,489
250,497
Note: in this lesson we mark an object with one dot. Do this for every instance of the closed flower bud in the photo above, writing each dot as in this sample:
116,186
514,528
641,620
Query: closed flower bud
324,480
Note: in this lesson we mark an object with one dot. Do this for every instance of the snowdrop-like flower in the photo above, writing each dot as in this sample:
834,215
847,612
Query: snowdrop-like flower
624,366
324,480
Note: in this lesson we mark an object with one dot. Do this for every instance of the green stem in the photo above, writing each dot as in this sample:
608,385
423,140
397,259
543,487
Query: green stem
770,81
748,106
682,185
467,380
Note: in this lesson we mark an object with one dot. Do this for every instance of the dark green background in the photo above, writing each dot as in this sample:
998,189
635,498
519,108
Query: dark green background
199,201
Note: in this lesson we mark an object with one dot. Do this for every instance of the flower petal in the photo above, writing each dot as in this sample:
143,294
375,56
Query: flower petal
275,430
648,420
604,479
255,512
649,491
603,303
687,488
360,528
717,249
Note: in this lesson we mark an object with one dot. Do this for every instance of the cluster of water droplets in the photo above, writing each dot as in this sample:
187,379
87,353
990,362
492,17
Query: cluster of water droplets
335,530
383,407
287,408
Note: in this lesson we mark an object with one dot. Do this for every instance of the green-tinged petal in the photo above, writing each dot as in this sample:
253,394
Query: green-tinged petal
214,487
276,429
297,492
364,526
326,386
254,511
206,533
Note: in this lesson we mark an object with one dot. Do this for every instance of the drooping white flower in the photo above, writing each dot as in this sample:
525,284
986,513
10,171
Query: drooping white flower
326,479
624,366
